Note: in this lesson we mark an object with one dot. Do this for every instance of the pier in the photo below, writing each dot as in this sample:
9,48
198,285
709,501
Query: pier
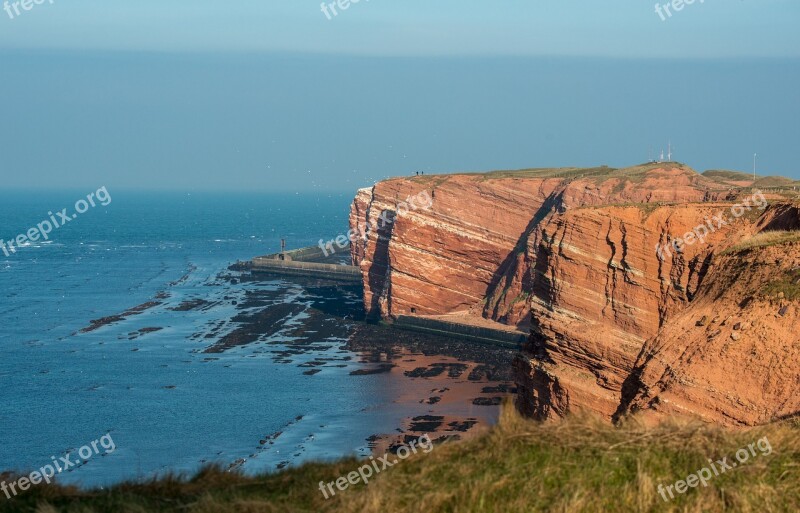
312,262
308,262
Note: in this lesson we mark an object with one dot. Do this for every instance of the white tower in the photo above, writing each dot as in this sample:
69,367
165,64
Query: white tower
754,166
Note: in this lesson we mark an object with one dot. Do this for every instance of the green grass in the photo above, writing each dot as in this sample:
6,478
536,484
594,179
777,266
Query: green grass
564,172
432,181
788,283
582,464
633,173
724,175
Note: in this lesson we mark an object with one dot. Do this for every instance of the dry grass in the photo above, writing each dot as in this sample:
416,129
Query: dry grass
631,174
581,464
766,239
600,173
724,175
773,181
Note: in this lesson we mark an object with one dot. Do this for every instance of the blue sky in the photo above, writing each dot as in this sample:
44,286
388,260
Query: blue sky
612,28
272,95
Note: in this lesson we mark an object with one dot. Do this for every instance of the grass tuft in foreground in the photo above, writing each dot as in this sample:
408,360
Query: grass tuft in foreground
579,464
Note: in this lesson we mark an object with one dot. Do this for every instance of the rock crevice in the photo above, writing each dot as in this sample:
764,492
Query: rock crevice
573,256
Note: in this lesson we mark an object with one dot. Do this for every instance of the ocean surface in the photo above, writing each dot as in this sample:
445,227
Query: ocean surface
191,363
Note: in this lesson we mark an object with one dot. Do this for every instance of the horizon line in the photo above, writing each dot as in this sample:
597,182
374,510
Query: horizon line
362,55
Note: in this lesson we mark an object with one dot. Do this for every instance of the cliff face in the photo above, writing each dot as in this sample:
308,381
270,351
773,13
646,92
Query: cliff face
444,258
732,356
583,259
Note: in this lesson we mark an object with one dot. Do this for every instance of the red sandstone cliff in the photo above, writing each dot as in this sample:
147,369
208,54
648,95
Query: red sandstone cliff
732,356
571,254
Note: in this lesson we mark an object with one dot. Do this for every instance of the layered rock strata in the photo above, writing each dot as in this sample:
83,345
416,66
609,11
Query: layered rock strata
584,259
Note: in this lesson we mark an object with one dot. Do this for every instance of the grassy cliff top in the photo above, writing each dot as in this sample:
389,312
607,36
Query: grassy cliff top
600,172
727,175
603,172
579,464
719,180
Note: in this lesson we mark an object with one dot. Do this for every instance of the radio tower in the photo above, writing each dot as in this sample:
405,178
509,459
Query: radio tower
754,166
669,152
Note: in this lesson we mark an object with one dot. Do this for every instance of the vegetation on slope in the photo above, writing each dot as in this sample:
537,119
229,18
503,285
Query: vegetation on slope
718,180
633,173
579,464
768,182
766,239
724,175
785,285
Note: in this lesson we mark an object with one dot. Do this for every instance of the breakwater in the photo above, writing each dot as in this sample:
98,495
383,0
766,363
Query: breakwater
305,262
312,262
346,273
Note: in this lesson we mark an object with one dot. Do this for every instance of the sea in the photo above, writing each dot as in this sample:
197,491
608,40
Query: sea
128,322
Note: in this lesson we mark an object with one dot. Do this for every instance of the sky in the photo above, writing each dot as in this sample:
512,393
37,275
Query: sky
278,95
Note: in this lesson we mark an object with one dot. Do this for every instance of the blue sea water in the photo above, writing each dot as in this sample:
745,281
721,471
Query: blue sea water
168,406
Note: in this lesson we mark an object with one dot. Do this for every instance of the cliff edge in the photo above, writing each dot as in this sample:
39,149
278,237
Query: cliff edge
600,267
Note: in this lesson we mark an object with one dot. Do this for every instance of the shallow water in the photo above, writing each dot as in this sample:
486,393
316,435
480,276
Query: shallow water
252,374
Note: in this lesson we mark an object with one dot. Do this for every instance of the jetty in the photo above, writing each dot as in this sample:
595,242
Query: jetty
310,262
313,262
